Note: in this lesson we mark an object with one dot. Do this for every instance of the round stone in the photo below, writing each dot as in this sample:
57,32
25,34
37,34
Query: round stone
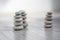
48,26
25,25
18,28
49,13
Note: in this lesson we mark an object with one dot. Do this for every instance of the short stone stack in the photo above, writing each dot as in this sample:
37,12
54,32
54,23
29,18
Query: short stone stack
48,20
20,20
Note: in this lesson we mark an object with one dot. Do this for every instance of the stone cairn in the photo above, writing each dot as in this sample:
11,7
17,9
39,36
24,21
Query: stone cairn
20,20
48,20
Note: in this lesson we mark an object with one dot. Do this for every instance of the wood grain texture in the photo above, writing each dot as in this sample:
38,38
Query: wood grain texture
34,31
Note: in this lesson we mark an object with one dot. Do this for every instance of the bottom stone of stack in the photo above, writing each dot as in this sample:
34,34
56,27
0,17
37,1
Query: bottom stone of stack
48,26
17,28
25,25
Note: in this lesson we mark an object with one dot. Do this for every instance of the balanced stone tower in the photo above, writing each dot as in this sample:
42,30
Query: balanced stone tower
20,20
48,20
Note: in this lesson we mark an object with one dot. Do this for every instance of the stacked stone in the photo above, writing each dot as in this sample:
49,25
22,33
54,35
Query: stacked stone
20,20
48,20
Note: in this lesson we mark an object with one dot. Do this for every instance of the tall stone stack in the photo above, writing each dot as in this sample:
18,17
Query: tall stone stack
48,20
20,20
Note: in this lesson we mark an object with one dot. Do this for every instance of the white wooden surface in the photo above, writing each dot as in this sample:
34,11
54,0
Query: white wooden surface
35,30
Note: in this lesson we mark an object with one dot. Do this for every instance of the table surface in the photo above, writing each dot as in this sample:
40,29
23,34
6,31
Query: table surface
34,31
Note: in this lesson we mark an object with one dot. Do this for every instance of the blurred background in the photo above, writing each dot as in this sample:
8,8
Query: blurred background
35,8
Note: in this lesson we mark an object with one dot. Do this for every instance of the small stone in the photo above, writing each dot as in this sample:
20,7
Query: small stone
48,23
18,28
49,13
17,21
25,25
48,26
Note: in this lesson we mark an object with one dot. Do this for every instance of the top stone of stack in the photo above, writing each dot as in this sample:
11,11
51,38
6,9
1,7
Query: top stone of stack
21,12
49,13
